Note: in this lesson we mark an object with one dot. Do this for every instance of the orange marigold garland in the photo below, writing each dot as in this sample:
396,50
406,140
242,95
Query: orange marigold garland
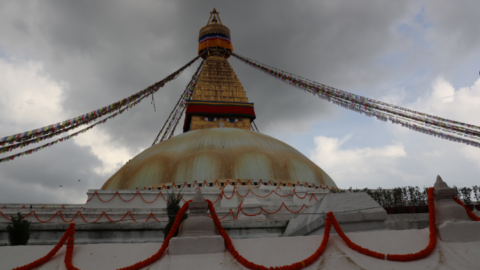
155,257
330,220
350,244
433,236
470,214
69,253
52,253
298,265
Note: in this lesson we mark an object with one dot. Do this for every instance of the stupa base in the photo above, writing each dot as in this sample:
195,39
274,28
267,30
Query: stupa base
196,245
459,231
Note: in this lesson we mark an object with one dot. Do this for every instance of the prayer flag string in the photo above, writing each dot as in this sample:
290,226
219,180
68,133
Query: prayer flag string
36,140
188,93
315,87
177,111
381,110
407,123
33,150
20,137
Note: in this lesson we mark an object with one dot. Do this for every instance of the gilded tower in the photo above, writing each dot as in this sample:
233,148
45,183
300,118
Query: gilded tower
219,99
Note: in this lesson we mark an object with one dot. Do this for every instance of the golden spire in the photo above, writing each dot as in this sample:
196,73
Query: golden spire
218,82
215,37
219,99
218,86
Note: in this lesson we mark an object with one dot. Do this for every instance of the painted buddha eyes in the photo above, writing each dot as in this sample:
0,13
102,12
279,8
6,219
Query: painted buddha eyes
214,119
232,120
210,119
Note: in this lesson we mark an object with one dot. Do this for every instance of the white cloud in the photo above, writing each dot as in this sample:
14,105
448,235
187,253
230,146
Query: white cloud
92,51
30,98
461,105
110,153
444,101
428,156
363,166
43,194
443,91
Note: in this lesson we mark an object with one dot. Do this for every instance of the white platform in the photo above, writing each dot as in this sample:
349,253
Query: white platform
459,231
265,251
197,245
353,211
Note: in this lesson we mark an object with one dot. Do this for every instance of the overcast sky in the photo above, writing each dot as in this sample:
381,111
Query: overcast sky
59,59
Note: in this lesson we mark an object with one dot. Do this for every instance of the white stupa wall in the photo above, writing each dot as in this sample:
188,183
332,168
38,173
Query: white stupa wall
268,196
150,205
267,251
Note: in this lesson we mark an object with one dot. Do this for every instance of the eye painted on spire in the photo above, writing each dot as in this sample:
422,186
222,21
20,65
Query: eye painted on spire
210,119
233,120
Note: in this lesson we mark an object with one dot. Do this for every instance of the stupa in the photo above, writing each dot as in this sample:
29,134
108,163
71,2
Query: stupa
258,187
257,183
218,145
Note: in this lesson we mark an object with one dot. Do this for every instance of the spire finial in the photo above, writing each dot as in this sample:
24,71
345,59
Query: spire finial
214,16
215,36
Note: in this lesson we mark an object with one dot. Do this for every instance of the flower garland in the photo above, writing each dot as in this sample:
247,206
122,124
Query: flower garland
349,243
69,253
433,235
329,221
128,213
97,113
46,258
470,214
155,257
221,195
298,265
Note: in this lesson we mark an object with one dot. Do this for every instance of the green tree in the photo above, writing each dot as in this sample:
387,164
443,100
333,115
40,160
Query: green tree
466,195
18,231
388,198
173,206
475,193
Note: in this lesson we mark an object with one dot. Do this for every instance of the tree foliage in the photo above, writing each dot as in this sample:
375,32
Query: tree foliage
18,231
173,206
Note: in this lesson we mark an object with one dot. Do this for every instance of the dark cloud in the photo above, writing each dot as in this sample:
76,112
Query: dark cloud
453,29
107,50
37,178
110,49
